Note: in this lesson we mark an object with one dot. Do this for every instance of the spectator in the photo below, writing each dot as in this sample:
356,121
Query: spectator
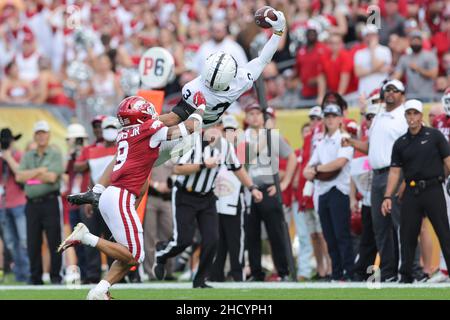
28,59
309,67
334,202
338,66
441,41
77,182
158,222
419,69
372,63
290,99
436,110
95,159
12,88
105,84
392,22
219,42
271,81
231,207
269,210
387,126
50,86
361,177
305,249
12,206
40,171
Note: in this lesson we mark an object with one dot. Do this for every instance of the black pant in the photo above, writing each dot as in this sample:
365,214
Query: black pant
367,246
231,240
334,213
44,216
269,211
97,226
430,202
187,208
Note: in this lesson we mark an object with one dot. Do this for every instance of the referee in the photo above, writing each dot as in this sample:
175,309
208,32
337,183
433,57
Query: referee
193,200
421,153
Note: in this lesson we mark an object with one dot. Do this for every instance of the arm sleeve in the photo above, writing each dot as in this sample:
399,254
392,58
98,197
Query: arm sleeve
183,109
396,158
257,65
401,66
346,152
23,165
158,137
314,158
285,148
57,164
443,145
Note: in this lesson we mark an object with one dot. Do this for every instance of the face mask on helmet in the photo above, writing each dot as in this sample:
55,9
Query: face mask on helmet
446,103
220,69
110,134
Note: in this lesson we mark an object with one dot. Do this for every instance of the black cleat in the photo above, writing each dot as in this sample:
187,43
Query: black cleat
159,270
88,197
202,286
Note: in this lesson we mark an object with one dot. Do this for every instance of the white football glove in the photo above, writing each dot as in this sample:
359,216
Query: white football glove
279,24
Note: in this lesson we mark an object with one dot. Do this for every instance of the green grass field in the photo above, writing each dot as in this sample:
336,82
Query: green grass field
236,294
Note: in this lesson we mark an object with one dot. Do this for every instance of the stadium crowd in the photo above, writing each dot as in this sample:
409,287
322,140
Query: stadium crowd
84,55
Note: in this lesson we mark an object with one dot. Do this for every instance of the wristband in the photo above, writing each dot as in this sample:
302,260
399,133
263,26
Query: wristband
201,107
278,33
196,116
253,187
98,188
387,197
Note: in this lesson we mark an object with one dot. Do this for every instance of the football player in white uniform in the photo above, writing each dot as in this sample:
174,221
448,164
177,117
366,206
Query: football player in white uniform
222,82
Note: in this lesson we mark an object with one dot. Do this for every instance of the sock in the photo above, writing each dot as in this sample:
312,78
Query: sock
90,240
98,188
103,286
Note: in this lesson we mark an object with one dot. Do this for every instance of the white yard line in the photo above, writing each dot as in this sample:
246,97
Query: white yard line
235,285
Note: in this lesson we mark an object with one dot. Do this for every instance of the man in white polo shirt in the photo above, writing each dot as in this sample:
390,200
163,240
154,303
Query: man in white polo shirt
372,63
387,126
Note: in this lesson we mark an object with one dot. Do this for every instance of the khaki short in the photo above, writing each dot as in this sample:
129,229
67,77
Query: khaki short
312,221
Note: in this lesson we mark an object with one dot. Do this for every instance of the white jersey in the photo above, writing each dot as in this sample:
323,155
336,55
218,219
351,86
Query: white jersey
217,102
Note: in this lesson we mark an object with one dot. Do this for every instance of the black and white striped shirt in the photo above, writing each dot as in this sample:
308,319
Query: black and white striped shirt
203,181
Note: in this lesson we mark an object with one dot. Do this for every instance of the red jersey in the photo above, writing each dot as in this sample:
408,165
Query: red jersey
309,66
334,68
442,123
135,156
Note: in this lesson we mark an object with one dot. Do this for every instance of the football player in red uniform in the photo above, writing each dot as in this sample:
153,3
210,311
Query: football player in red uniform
442,122
137,149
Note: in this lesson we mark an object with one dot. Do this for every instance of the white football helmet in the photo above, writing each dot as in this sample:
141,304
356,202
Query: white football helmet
220,68
446,101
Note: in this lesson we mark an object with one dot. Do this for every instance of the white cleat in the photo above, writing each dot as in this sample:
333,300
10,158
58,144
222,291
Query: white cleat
97,295
438,277
75,237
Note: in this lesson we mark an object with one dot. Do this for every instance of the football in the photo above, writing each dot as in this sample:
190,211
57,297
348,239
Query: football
327,176
262,13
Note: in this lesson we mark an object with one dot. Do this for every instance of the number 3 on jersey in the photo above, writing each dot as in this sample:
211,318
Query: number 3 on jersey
122,154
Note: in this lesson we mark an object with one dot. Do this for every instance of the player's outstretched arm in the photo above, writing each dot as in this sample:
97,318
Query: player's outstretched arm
193,122
257,65
185,128
170,119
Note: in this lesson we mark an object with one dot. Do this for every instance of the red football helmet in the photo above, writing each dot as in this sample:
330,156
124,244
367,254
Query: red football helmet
135,110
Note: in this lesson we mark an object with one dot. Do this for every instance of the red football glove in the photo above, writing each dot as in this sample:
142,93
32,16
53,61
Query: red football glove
199,99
